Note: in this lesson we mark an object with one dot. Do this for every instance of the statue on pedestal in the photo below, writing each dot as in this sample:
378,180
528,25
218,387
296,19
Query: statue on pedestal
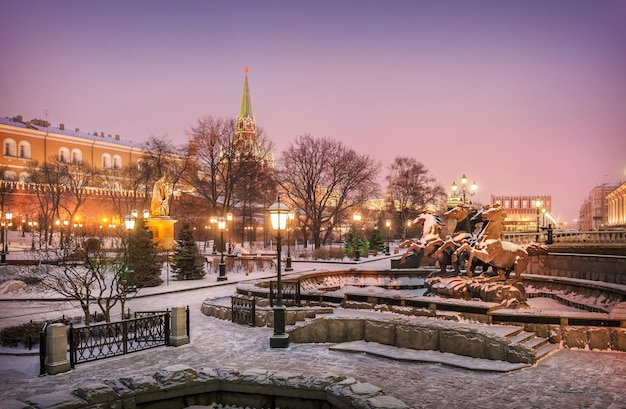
160,205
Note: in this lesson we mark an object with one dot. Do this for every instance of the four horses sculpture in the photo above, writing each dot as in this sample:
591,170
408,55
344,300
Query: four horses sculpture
487,247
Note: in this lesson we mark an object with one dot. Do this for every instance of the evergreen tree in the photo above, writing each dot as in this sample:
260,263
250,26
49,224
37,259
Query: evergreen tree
354,241
376,240
187,263
143,264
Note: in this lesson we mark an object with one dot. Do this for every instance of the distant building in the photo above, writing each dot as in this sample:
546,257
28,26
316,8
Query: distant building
525,213
616,203
594,212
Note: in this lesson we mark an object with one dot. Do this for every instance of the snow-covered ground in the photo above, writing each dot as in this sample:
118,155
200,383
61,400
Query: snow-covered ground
566,379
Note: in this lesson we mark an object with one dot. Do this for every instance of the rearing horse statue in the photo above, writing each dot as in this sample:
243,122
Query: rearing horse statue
431,232
490,248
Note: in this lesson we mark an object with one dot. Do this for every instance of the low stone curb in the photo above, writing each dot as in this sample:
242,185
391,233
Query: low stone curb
182,386
443,358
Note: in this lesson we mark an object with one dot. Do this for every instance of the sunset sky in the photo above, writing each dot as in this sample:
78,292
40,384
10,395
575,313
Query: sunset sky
525,97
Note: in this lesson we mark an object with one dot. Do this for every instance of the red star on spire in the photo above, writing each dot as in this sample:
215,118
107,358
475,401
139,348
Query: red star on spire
246,69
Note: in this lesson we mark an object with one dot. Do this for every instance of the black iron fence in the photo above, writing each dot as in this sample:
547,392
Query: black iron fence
42,349
290,292
118,338
243,310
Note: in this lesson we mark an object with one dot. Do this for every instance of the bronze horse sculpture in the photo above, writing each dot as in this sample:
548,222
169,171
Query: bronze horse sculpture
491,249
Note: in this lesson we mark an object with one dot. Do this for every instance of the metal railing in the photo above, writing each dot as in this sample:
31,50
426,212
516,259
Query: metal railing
243,310
571,237
42,350
290,292
102,341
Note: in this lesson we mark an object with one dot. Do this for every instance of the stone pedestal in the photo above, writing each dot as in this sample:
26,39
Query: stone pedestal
162,229
56,348
178,327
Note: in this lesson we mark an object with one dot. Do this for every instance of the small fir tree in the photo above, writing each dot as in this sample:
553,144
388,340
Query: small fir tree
143,264
354,241
187,259
376,241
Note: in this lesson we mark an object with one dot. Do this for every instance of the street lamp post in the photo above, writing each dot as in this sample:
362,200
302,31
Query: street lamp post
357,252
6,223
387,249
221,225
464,190
129,222
229,219
213,221
538,206
278,216
290,217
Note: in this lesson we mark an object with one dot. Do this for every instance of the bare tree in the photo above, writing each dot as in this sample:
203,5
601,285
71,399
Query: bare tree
85,274
226,171
48,179
76,178
127,188
411,190
162,158
324,179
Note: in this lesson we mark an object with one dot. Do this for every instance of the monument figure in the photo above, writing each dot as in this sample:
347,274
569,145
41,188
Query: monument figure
160,205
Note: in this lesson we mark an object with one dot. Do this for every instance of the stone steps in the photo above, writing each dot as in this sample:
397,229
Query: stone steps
539,345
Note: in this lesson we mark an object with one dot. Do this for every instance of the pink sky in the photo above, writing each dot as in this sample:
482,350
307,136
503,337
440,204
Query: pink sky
524,97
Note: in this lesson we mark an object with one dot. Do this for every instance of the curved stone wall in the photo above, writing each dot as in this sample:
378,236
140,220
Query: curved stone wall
180,386
592,267
424,335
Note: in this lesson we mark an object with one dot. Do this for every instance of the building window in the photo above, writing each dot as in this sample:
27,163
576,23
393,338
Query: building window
106,161
10,147
117,162
24,176
64,155
24,150
77,156
10,175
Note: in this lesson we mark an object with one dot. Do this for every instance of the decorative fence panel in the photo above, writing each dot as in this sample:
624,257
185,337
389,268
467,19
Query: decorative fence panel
290,292
118,338
573,237
243,310
43,349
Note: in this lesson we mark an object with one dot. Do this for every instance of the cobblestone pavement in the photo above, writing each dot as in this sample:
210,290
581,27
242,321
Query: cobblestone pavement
566,379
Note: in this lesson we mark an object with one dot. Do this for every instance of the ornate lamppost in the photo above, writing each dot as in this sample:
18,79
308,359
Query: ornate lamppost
538,206
213,221
464,190
278,216
221,225
387,249
357,252
290,217
229,219
6,223
129,223
32,225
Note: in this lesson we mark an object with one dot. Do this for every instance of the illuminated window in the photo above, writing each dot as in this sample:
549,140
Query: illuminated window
117,162
10,147
77,156
106,161
64,155
24,150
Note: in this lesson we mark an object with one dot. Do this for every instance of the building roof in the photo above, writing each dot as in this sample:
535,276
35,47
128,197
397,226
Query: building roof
43,126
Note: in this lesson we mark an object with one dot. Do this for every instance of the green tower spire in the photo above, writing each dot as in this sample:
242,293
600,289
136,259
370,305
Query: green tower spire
246,104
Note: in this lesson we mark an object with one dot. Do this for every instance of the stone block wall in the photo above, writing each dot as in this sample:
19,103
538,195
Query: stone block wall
608,269
426,335
180,386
